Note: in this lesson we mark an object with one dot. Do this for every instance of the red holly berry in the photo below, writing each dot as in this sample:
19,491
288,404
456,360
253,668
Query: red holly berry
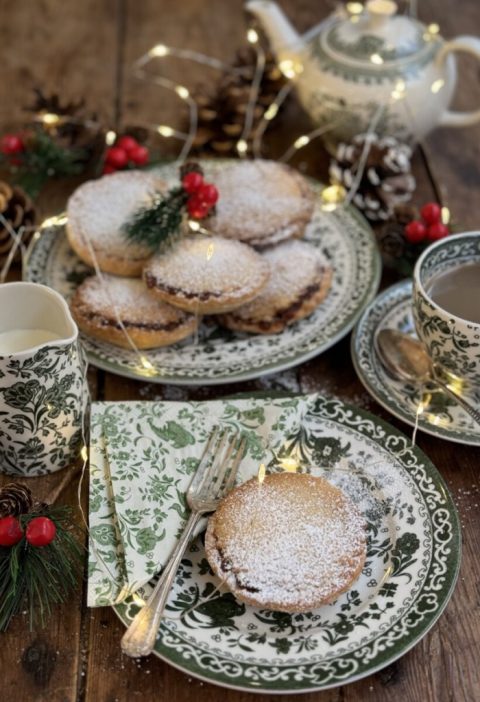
10,531
11,144
198,209
139,155
40,531
192,181
208,193
116,157
108,169
415,232
127,143
431,213
437,231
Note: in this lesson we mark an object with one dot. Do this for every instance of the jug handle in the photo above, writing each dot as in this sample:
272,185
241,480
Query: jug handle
470,45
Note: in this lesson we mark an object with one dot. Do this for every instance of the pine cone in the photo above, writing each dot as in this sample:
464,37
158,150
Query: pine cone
386,180
17,208
221,114
15,499
77,128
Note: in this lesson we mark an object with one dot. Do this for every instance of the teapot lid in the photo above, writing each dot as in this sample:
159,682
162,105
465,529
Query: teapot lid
375,35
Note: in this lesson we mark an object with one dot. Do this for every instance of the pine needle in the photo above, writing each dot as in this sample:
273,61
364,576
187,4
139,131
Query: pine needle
38,578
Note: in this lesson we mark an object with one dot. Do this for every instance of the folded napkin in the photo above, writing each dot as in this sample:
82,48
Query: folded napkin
142,458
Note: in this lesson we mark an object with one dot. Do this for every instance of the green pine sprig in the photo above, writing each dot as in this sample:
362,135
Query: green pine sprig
36,578
157,224
42,159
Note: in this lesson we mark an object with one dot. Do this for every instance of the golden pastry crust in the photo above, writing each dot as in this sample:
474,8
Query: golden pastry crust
300,279
291,544
207,275
261,203
149,322
96,212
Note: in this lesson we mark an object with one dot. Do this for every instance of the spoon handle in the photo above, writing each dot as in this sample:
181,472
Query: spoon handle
474,413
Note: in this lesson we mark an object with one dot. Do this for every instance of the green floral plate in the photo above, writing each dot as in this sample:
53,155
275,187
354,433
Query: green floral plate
409,575
440,416
221,356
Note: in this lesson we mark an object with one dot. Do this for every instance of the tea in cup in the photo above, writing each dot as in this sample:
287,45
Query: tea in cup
43,393
446,307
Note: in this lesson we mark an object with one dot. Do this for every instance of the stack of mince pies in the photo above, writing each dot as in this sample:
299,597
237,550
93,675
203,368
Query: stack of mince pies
253,271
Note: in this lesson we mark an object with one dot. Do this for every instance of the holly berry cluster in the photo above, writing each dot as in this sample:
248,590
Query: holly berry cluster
125,153
159,223
40,556
11,145
202,196
40,531
429,228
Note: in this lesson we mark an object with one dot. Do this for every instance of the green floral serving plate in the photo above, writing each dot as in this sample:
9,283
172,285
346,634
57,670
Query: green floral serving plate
409,574
221,356
440,415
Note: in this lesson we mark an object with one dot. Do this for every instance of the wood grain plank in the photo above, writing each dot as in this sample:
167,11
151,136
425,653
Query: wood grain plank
69,48
454,154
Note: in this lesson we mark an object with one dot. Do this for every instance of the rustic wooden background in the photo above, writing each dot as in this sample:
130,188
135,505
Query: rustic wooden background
85,49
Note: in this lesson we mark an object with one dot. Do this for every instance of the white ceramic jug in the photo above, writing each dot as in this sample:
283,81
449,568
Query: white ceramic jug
43,391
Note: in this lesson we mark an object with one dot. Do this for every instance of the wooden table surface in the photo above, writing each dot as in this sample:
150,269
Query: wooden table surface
86,49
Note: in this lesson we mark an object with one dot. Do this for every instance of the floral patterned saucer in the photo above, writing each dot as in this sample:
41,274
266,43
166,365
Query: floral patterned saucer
411,568
222,356
438,415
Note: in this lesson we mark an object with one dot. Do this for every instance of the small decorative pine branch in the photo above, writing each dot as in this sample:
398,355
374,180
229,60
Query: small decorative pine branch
157,224
38,578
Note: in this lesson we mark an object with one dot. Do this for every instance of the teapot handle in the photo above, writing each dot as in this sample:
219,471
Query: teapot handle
470,45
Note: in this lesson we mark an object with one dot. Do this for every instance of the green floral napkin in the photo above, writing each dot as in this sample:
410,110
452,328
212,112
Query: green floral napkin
142,458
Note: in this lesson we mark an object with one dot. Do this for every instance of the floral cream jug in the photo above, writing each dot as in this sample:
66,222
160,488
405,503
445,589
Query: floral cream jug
370,69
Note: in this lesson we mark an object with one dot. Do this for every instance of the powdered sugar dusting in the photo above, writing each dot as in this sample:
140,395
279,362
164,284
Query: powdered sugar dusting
289,543
198,264
99,208
258,198
294,265
128,297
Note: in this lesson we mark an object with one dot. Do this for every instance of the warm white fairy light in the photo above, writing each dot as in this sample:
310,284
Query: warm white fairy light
50,119
433,28
242,147
262,471
110,137
399,92
301,141
159,51
84,453
146,363
437,85
445,215
210,250
332,196
252,36
289,464
165,130
376,59
271,112
182,92
290,68
354,8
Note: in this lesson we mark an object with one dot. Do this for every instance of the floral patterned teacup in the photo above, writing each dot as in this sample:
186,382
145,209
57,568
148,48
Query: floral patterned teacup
451,341
43,391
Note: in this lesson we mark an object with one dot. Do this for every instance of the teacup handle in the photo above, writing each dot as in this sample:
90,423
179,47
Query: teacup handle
470,45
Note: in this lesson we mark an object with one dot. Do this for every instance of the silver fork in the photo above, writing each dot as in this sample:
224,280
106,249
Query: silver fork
213,479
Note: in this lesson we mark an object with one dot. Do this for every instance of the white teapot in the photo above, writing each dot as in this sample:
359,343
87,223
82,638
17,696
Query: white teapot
370,69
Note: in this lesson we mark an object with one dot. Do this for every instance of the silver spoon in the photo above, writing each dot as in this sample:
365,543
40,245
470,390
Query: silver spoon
406,358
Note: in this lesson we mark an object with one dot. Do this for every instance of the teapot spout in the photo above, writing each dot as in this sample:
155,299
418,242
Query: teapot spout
278,29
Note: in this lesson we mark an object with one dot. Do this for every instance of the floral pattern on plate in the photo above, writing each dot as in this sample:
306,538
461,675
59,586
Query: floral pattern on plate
409,575
222,356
